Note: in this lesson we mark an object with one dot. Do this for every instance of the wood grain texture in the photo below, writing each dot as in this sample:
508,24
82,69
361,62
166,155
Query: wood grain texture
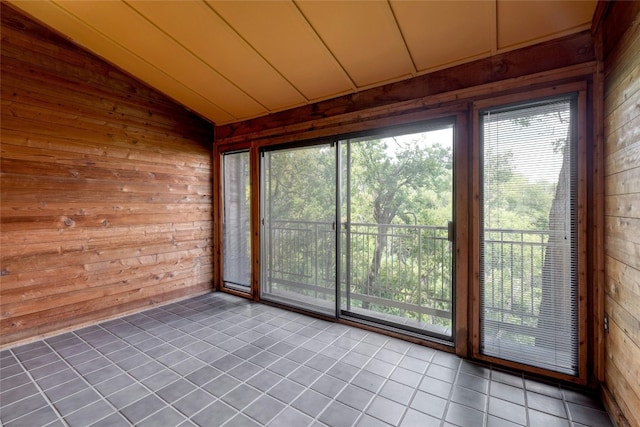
627,111
622,137
106,189
623,297
618,384
620,58
621,35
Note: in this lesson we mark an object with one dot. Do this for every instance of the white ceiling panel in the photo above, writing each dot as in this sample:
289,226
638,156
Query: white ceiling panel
525,22
211,40
280,33
234,60
154,46
430,37
363,37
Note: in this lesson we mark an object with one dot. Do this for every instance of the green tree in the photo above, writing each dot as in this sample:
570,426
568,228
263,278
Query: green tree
389,182
301,184
529,191
554,319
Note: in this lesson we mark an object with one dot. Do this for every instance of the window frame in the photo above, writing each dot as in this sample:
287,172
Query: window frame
464,104
579,88
218,217
223,283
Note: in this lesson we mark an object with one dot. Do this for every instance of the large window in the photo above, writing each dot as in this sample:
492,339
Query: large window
467,234
528,234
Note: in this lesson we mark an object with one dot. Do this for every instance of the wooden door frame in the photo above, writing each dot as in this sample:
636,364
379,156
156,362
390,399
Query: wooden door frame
581,89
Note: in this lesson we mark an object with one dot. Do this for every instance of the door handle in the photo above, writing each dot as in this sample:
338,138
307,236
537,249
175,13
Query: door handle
450,231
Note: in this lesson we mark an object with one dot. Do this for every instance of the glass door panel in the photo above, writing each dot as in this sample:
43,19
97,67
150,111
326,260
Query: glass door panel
299,227
528,259
397,231
236,270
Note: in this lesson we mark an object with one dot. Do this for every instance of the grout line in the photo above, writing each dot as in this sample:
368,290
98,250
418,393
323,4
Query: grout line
193,318
455,380
347,383
526,401
415,390
40,390
566,406
305,388
246,361
91,386
486,409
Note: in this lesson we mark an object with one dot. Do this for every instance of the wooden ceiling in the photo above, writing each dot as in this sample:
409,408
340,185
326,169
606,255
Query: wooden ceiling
234,60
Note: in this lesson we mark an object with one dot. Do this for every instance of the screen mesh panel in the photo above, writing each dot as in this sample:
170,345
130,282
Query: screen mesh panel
298,256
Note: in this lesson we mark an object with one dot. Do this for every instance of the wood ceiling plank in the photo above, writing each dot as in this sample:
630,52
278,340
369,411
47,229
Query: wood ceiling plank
82,34
201,31
282,36
440,34
363,36
146,41
523,23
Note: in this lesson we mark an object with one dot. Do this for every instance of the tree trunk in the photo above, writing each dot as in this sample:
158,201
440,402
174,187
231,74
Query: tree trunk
554,321
383,216
376,260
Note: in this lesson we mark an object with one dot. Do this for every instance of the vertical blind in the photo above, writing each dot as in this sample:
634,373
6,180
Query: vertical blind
528,263
236,270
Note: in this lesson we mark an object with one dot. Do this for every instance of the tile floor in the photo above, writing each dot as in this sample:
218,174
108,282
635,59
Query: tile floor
221,360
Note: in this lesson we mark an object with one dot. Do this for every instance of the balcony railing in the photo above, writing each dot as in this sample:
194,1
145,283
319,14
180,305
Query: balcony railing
403,273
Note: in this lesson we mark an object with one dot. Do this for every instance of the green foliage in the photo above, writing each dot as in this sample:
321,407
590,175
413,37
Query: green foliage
400,203
300,184
401,181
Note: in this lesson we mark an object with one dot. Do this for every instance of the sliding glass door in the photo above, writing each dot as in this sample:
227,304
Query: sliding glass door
299,227
236,245
397,230
391,249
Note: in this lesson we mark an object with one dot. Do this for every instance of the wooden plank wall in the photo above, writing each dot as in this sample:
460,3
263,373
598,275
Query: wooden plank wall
622,207
106,189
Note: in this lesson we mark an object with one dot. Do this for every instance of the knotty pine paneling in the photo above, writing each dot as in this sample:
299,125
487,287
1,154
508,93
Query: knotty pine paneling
106,189
622,210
